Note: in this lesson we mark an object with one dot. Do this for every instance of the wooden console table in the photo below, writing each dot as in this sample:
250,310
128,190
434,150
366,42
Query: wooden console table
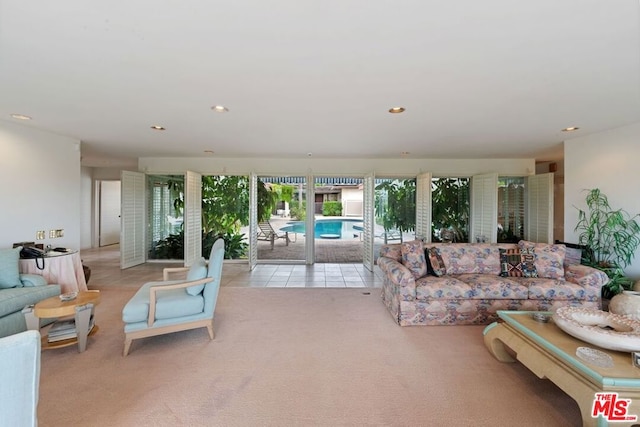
550,353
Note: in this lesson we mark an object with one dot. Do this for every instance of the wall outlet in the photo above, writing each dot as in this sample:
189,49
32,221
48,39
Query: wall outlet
40,235
54,234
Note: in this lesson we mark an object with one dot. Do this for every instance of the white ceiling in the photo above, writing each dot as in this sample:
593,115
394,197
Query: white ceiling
478,79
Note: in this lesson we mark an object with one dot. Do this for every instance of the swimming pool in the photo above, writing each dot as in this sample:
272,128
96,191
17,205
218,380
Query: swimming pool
327,228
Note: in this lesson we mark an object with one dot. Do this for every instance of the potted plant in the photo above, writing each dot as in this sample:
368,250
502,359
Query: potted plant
612,237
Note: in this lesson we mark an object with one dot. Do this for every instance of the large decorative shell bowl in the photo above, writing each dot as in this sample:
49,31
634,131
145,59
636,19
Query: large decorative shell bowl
601,328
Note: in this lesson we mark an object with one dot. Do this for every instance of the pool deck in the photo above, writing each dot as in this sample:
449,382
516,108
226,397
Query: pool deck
343,250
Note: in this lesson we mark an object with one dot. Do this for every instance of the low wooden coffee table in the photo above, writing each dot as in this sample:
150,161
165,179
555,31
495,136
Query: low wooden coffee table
81,308
549,352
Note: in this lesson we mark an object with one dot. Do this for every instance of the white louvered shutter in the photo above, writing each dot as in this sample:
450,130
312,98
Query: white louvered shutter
423,207
253,221
484,207
132,237
368,221
192,217
539,208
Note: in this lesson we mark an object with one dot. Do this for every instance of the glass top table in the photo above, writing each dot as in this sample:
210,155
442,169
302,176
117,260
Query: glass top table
550,353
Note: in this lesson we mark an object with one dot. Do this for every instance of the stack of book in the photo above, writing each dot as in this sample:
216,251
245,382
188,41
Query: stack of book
65,329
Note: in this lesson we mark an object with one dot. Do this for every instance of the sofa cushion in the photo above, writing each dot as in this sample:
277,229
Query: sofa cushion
15,299
30,280
490,286
169,304
197,271
552,289
435,261
446,287
413,258
518,262
549,259
9,271
470,258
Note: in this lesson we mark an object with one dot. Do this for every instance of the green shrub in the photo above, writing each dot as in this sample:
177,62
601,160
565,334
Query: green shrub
172,247
298,211
332,208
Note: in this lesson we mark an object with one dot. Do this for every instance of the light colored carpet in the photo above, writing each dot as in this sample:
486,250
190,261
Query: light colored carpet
293,357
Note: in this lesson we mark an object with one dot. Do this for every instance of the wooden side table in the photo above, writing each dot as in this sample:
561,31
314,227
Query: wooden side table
82,308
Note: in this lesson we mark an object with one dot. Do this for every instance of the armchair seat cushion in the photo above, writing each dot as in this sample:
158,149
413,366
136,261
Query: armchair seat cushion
170,303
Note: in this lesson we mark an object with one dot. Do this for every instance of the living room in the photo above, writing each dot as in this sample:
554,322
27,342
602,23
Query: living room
50,169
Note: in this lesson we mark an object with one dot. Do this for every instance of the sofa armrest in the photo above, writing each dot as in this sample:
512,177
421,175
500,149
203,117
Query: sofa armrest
585,276
31,280
399,277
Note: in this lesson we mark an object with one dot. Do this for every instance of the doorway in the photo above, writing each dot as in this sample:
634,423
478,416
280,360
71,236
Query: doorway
109,213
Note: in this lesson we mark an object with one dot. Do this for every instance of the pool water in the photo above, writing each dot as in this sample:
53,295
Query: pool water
327,228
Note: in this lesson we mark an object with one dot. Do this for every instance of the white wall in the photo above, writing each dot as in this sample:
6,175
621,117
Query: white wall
40,190
352,202
608,161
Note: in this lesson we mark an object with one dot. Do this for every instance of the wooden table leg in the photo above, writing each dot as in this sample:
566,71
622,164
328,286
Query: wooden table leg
493,339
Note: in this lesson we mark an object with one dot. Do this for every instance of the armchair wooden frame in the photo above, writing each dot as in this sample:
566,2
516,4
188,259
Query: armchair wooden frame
145,333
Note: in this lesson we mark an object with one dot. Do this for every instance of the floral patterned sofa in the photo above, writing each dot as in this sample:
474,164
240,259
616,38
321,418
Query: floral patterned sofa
466,283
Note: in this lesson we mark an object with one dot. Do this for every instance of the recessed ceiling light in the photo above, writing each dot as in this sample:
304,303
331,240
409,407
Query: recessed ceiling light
220,109
570,129
20,117
396,110
157,127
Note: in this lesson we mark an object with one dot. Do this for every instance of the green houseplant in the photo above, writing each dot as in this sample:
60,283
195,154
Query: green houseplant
611,236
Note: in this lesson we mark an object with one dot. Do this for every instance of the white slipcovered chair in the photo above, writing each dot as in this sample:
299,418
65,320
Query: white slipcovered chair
176,305
19,379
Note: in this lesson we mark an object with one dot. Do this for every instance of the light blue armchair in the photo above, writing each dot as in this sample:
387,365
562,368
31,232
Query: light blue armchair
176,305
20,379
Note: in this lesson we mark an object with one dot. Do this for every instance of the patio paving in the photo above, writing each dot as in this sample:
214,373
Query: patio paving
326,250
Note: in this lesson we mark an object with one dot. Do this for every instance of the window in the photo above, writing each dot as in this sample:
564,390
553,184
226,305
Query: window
450,209
511,196
165,208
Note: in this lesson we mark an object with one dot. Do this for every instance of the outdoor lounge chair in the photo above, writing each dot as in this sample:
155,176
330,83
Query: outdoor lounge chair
268,234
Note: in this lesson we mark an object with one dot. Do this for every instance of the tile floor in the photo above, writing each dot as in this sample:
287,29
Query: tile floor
105,271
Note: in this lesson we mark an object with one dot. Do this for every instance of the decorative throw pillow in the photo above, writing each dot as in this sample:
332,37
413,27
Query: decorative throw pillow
549,259
9,271
197,271
413,258
435,259
518,263
429,266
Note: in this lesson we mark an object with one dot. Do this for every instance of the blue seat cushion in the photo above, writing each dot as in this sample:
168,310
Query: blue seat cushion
170,304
